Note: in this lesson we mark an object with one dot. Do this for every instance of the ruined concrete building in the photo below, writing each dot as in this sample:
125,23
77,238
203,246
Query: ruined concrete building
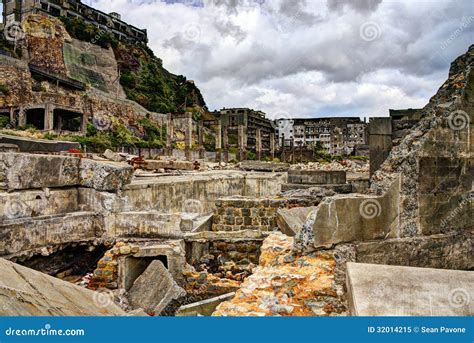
338,136
115,233
107,22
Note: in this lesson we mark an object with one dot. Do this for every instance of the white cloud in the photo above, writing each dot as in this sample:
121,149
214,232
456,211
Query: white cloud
306,57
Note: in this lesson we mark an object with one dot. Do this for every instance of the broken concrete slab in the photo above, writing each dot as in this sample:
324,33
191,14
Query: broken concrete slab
38,145
113,156
291,221
20,171
317,177
105,176
381,290
25,171
203,308
342,188
154,289
353,217
264,166
26,292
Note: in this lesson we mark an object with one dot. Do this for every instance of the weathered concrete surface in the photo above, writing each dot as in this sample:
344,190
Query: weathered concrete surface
35,203
291,221
26,292
38,145
380,290
173,165
23,235
104,176
5,147
187,193
353,218
154,289
264,166
144,225
203,308
341,189
317,177
26,171
29,171
380,141
444,251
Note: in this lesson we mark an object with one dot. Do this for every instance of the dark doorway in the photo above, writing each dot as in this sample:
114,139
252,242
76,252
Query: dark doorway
35,117
65,120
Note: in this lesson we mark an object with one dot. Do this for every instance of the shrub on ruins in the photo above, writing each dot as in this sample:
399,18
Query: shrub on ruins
4,121
4,89
81,30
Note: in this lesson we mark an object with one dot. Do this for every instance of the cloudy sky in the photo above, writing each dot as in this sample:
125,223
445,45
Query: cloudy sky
306,58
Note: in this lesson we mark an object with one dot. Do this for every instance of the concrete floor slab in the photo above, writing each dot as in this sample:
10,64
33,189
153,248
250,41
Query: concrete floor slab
381,290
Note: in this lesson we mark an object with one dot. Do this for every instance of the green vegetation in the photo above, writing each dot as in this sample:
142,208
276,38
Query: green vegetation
119,136
4,121
4,89
81,30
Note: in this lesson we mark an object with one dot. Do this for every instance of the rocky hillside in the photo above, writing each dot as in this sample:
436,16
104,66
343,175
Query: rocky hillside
142,75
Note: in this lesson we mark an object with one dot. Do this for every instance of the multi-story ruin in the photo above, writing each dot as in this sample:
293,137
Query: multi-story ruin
336,135
109,22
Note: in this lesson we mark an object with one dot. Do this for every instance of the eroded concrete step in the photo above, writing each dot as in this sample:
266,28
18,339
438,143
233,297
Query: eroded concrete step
381,290
26,292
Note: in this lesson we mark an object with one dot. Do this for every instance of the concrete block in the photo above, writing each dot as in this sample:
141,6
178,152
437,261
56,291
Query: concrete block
291,221
357,218
380,290
38,145
144,225
26,292
317,177
154,289
105,176
173,165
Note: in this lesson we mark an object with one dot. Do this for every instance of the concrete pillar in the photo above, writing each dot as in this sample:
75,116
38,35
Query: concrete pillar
84,121
283,155
272,145
226,144
242,142
169,136
22,117
380,141
202,150
188,136
292,150
49,117
258,144
219,141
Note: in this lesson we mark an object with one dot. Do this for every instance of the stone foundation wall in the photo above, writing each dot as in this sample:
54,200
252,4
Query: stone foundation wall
245,213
